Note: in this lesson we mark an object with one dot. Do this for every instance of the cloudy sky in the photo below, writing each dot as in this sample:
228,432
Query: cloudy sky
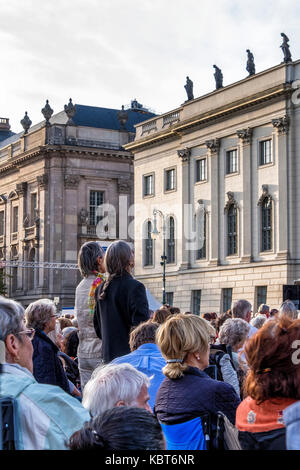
107,52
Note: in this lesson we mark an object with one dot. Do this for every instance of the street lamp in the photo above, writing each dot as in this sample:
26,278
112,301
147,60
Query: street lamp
155,234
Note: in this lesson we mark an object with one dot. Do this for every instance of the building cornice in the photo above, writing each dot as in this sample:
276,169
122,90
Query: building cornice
184,127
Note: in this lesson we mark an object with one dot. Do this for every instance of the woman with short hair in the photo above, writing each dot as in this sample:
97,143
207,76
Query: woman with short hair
187,390
234,332
47,367
90,263
45,416
272,384
121,302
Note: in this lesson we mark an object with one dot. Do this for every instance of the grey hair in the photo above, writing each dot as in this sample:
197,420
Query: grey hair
234,331
39,313
11,317
117,259
263,308
288,308
87,258
258,320
240,308
112,383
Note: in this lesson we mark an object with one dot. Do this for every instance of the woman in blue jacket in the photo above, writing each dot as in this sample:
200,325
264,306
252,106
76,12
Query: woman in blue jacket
187,391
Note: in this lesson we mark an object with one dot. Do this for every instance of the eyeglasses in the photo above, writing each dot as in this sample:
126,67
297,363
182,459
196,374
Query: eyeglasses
30,333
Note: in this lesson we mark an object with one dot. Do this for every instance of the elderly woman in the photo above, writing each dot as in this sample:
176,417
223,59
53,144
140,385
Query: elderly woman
187,391
234,333
258,320
45,416
121,302
272,384
47,367
90,262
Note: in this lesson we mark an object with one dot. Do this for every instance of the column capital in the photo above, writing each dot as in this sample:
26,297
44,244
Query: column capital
282,124
245,135
213,145
184,154
42,181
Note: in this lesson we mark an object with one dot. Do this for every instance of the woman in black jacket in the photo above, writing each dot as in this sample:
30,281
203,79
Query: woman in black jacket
187,391
47,367
121,302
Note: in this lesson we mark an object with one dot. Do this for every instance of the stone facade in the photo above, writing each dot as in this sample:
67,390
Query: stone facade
47,176
246,136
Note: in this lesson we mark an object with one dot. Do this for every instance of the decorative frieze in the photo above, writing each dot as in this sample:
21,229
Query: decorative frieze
282,124
71,181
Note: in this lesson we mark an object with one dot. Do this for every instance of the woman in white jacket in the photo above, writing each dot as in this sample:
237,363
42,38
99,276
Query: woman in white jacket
90,262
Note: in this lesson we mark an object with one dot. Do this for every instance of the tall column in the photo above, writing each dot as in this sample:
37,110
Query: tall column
124,190
21,189
214,147
42,181
70,248
282,126
186,223
245,136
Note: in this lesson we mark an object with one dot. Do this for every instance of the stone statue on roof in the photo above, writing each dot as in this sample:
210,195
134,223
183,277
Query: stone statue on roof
286,49
189,89
218,77
250,63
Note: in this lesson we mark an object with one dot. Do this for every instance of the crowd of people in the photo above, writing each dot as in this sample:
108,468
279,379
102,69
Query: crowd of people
117,376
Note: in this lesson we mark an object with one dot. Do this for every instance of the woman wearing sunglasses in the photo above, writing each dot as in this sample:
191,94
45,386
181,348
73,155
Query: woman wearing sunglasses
45,416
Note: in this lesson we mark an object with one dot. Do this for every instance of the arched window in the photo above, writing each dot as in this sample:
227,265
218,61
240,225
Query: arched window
232,230
266,224
148,245
171,241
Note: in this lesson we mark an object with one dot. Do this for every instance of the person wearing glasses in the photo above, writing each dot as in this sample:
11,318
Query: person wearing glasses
47,367
45,416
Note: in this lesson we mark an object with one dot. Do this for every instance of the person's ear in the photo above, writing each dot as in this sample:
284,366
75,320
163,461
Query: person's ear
120,403
12,347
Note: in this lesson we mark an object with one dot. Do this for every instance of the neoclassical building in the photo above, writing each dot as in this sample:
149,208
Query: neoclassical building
53,178
223,170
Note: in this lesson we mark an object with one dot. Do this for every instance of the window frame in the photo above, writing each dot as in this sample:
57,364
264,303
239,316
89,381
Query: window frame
148,175
99,191
197,167
193,295
171,242
231,235
225,290
166,171
227,153
146,240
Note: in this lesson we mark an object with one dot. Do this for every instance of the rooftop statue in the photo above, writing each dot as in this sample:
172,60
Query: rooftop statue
189,89
250,63
286,49
218,77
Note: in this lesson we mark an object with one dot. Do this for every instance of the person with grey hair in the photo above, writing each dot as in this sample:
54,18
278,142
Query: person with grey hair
121,302
116,385
90,263
44,416
258,320
288,308
243,309
264,310
234,332
47,367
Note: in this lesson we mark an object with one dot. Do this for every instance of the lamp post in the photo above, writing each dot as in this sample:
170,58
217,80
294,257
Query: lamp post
155,233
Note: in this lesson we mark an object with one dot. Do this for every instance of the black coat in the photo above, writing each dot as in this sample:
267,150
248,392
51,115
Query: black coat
125,305
47,367
195,393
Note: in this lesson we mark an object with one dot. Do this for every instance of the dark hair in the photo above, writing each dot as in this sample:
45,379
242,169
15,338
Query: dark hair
87,258
206,316
71,344
273,312
161,315
220,320
269,354
120,428
143,333
174,310
64,322
117,259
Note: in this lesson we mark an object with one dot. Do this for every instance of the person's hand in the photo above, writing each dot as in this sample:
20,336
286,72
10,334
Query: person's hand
76,392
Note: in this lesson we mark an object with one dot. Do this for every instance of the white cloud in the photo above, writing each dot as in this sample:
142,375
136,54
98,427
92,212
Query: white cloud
107,52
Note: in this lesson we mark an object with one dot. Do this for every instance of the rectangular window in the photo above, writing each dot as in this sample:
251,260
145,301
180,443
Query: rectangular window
96,200
201,169
34,207
227,299
196,301
232,231
169,298
265,152
261,295
170,179
148,185
15,219
201,252
1,223
231,161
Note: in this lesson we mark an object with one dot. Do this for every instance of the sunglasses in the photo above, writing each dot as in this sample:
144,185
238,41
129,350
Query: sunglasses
29,332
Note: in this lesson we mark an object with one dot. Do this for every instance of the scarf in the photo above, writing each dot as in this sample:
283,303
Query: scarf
96,282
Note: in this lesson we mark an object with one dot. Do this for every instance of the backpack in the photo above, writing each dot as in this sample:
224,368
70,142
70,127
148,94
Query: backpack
217,351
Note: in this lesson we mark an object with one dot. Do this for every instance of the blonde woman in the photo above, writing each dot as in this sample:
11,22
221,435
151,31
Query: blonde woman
187,391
